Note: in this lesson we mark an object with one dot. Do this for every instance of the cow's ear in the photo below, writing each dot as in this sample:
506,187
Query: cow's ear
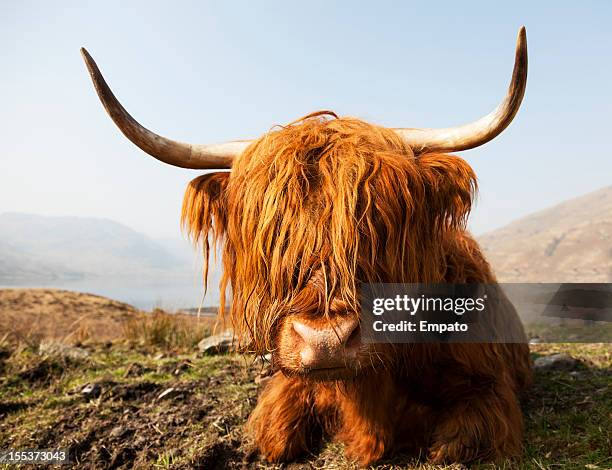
450,185
204,209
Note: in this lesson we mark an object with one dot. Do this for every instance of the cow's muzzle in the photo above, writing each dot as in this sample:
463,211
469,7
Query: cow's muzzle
333,346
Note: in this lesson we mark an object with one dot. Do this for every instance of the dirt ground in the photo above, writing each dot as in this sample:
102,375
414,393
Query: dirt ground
134,403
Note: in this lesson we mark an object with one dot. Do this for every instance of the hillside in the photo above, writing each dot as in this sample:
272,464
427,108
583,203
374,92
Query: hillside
32,315
27,314
570,242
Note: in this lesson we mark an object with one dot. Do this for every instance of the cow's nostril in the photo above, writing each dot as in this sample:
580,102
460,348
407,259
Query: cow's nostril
307,333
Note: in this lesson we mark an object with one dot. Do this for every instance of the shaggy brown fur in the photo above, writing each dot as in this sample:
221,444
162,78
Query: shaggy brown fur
307,213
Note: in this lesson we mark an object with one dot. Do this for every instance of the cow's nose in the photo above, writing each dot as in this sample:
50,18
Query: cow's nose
335,345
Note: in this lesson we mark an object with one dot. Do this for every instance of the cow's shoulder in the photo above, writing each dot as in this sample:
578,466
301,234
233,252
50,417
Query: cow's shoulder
464,259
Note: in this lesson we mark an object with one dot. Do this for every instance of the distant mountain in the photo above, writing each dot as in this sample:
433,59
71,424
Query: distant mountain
570,242
38,248
180,248
17,266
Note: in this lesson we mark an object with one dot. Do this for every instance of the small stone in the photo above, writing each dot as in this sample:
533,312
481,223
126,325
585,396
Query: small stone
217,344
560,361
91,390
55,348
119,431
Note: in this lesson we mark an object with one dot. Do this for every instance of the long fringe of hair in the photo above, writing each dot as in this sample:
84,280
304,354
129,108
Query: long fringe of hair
336,197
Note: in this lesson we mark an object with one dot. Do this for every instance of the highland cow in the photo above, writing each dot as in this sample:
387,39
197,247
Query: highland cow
308,212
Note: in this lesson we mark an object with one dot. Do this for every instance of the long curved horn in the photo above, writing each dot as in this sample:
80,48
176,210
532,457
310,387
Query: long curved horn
207,156
486,128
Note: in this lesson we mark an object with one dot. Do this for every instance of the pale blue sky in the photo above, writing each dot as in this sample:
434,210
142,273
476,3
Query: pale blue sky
205,72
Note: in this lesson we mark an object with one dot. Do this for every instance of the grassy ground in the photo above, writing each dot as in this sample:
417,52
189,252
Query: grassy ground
128,420
154,403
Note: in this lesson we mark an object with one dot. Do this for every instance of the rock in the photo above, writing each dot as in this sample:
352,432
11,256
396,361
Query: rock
91,390
560,361
55,348
217,344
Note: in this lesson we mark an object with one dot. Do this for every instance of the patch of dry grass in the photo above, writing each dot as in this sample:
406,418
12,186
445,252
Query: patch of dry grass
167,331
28,316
